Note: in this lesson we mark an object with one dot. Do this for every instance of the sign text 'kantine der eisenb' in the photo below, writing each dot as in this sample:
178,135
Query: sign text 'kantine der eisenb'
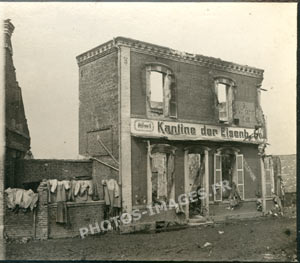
189,131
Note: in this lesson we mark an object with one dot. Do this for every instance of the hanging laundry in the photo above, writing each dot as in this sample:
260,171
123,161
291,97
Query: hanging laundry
27,198
19,198
77,188
112,193
61,192
10,197
53,184
62,213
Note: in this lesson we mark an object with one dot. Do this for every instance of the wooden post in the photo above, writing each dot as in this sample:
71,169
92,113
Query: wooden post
263,184
186,180
206,175
149,175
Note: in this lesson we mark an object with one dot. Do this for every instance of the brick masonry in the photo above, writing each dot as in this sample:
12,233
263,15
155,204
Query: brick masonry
41,223
194,89
288,172
36,170
18,225
98,109
81,215
194,77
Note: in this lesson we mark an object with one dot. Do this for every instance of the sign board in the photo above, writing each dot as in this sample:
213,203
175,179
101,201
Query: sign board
193,131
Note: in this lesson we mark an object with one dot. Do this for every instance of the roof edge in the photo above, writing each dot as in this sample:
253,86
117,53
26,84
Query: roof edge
168,52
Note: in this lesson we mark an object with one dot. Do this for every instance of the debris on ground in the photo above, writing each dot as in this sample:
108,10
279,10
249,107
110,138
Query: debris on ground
268,256
207,244
221,232
112,246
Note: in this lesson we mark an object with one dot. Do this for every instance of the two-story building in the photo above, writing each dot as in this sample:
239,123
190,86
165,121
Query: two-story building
175,123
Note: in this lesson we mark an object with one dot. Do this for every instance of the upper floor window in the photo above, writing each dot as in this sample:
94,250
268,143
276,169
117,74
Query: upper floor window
224,90
156,89
161,91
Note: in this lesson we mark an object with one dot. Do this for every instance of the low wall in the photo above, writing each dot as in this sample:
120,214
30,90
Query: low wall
80,214
41,223
35,170
18,225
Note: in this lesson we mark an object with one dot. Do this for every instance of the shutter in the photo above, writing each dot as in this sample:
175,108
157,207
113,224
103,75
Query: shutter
173,99
218,177
230,104
240,175
223,112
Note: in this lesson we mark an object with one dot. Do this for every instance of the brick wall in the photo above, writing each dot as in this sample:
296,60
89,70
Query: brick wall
81,215
18,225
44,226
36,170
288,172
98,109
194,89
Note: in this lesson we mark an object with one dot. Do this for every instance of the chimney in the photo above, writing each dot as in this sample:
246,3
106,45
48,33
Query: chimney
8,30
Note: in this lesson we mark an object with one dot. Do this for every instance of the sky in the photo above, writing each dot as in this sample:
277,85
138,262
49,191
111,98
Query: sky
48,37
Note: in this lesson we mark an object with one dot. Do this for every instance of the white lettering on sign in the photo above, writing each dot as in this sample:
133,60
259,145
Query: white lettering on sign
143,125
196,131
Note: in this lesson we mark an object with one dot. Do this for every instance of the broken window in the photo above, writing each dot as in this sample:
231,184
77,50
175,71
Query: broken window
229,170
159,177
224,98
196,164
162,173
161,91
157,88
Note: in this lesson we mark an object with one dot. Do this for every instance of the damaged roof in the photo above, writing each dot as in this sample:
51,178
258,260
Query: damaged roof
166,52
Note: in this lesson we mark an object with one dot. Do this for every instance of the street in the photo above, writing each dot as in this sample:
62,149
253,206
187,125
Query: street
261,239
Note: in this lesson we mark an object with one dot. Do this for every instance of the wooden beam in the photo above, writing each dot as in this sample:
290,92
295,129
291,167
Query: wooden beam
106,164
149,175
206,175
106,149
186,180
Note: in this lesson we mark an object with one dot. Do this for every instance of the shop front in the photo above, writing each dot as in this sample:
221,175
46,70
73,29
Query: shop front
217,167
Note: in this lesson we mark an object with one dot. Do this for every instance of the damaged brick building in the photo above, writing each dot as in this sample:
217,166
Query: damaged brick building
16,128
154,123
173,122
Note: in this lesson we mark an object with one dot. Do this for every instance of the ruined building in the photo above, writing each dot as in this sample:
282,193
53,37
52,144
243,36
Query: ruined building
16,128
173,123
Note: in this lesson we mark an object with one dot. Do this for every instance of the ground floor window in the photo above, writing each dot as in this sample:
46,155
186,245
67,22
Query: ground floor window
228,168
162,173
196,165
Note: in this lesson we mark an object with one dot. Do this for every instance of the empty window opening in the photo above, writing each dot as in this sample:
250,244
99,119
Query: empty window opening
162,177
157,86
229,170
196,181
222,93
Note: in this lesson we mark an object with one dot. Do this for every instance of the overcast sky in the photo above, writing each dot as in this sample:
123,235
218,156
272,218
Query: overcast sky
48,37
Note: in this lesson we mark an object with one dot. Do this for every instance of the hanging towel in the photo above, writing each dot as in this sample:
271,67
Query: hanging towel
10,197
77,188
53,184
27,198
61,193
19,196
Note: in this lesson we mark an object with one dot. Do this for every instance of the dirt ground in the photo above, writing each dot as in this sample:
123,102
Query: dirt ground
260,239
